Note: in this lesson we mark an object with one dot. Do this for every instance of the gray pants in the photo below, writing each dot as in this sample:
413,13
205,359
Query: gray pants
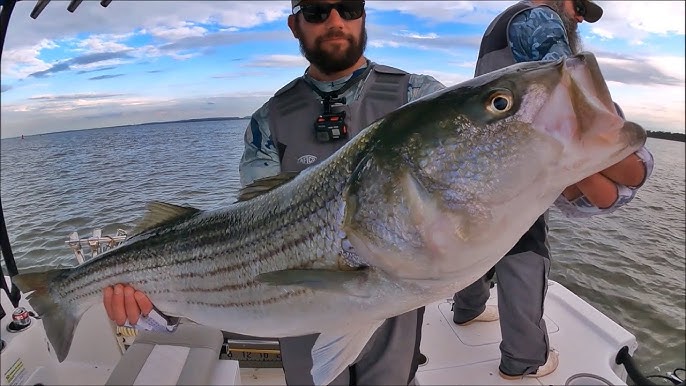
389,358
522,284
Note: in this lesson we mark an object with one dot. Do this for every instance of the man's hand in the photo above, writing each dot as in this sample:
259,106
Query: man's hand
600,188
123,302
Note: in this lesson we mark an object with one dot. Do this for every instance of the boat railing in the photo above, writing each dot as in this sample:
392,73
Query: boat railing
96,244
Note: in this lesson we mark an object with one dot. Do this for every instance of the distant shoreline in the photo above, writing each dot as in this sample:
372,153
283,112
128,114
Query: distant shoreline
213,119
680,137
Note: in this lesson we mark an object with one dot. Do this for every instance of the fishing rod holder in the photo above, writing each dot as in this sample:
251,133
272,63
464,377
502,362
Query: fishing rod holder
97,243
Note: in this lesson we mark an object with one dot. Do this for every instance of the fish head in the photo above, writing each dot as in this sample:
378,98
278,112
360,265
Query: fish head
574,110
466,171
536,117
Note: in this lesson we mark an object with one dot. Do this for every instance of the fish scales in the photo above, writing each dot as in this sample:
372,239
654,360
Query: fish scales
226,248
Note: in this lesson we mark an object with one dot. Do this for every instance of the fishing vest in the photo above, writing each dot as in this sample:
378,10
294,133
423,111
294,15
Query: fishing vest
294,109
495,53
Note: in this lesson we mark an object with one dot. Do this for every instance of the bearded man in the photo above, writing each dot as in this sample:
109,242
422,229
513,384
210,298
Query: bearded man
340,93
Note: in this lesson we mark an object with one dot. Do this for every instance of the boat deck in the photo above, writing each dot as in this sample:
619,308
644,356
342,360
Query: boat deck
586,339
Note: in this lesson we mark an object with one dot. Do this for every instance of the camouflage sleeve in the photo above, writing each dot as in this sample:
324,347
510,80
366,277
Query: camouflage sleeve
421,85
581,207
260,157
538,34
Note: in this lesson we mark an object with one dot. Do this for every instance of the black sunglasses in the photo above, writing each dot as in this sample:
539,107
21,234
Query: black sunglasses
580,8
319,12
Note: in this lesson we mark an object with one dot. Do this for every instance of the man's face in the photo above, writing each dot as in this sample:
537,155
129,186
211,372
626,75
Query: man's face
334,44
570,20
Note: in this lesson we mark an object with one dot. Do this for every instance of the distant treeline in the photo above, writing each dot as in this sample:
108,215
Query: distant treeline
198,120
667,135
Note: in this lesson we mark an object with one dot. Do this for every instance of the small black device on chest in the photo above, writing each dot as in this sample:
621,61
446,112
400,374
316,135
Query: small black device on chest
330,126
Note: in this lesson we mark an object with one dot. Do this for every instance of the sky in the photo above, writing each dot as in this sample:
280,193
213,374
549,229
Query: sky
144,61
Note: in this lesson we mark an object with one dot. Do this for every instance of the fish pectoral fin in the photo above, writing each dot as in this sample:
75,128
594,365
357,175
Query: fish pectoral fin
159,213
332,352
263,185
348,282
438,228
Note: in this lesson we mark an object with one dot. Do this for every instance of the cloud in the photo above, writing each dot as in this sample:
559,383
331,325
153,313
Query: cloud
383,36
182,29
54,69
279,61
104,43
627,18
5,87
101,77
73,97
21,62
636,71
466,12
81,60
223,38
96,70
447,78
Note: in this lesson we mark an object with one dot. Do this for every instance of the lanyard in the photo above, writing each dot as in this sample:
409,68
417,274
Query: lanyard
354,79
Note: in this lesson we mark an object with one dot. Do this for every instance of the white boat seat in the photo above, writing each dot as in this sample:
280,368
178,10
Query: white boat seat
187,356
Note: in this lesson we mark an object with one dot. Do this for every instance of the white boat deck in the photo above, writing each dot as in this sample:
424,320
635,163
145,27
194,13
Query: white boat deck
587,341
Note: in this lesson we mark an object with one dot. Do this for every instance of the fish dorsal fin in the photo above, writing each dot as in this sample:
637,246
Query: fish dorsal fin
263,185
159,213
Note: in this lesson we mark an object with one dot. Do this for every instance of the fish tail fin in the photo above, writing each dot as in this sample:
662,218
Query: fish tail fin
59,319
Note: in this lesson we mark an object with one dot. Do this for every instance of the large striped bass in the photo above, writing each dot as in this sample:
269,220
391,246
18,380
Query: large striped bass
416,207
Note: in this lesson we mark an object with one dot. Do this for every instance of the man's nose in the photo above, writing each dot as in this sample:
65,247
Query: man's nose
335,18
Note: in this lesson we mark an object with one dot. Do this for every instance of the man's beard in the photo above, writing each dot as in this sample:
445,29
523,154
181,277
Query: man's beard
571,26
329,63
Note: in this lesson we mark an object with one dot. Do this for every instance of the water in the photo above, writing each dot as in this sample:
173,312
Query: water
630,264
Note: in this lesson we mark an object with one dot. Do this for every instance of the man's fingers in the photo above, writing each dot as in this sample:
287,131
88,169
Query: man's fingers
144,302
124,303
572,192
599,190
130,305
628,172
118,310
107,300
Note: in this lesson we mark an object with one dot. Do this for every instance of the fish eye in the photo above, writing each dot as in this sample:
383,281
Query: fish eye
500,102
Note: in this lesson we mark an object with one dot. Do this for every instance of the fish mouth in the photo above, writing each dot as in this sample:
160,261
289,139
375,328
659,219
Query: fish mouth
589,114
589,81
595,110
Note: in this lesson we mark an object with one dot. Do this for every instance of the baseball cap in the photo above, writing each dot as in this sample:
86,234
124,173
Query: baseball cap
593,11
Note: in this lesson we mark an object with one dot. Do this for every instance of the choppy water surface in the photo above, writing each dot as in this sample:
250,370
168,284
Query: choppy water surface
630,264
